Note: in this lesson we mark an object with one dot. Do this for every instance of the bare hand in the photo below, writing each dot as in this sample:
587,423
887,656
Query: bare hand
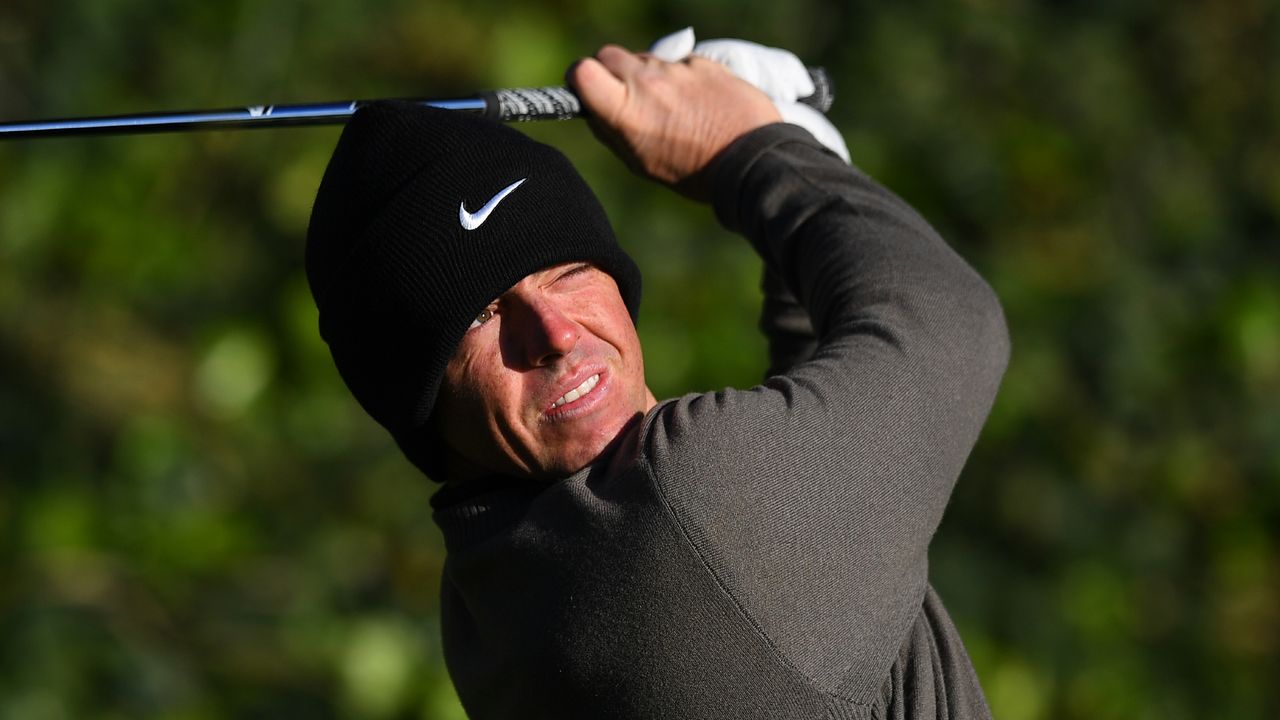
667,120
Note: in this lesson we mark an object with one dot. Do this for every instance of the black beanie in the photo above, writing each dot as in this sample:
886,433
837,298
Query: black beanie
396,276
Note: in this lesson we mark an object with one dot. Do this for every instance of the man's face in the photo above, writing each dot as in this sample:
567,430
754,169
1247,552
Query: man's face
546,377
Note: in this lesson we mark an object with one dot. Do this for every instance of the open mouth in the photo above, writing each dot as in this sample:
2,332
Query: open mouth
573,395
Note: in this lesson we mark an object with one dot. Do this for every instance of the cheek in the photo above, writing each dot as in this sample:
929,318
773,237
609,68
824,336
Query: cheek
464,400
484,392
623,337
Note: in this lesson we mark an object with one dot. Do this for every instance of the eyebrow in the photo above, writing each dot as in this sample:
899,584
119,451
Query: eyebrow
579,267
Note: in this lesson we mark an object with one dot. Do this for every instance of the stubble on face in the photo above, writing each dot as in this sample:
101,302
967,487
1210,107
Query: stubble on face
547,380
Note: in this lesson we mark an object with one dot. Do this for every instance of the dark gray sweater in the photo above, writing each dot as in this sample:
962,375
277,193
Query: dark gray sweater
757,553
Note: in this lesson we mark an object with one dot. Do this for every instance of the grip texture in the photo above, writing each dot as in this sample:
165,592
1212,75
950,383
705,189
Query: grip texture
545,103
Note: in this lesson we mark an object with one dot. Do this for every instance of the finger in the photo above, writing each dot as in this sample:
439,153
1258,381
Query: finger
621,62
600,91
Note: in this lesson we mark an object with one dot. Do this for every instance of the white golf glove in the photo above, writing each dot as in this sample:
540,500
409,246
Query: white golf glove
778,73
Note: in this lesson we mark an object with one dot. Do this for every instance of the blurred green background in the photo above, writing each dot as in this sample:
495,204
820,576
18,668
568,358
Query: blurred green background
197,521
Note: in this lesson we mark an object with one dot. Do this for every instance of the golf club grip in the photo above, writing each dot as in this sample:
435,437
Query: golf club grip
524,104
560,103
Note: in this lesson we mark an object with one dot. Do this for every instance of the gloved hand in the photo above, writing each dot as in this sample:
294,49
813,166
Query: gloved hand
778,73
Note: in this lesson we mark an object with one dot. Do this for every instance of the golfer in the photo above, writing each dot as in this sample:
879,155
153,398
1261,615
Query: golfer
746,553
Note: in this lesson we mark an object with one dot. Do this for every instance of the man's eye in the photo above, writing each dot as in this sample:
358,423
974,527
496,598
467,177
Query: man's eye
485,316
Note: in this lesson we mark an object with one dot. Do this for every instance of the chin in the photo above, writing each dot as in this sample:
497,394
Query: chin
590,452
569,464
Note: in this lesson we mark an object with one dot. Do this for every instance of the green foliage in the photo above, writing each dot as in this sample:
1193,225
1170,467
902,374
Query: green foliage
196,520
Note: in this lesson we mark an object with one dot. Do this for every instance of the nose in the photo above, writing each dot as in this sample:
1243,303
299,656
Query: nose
538,332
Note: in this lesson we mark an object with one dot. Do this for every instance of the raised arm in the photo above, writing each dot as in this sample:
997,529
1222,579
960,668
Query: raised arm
616,83
813,497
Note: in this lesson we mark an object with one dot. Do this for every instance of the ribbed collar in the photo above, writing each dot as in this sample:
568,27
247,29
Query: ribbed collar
469,513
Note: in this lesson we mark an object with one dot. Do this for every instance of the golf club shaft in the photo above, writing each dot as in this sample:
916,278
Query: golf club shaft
510,105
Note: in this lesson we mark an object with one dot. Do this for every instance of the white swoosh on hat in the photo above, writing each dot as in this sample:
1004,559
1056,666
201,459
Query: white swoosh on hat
471,221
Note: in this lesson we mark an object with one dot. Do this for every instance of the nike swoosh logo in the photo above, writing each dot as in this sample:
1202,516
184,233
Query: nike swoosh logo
471,221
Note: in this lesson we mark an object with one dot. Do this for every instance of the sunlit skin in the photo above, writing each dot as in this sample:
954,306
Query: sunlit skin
544,337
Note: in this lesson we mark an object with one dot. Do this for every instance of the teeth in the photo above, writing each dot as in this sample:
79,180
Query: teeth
587,386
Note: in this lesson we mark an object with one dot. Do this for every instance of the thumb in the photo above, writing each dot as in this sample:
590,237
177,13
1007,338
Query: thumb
601,92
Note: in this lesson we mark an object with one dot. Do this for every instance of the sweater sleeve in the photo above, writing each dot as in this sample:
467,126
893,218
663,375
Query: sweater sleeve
786,326
813,497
